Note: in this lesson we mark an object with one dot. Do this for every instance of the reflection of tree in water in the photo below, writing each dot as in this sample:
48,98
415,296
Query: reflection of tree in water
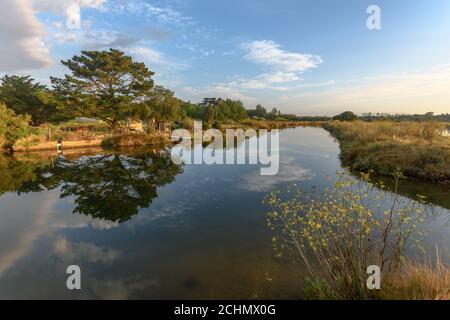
111,187
14,173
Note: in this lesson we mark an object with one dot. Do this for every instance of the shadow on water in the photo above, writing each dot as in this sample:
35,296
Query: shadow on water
435,194
110,186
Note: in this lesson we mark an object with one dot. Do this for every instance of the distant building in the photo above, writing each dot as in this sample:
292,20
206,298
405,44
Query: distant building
148,125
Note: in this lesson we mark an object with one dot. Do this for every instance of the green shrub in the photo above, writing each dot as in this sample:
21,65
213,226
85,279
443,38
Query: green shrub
337,235
217,125
12,128
187,123
346,116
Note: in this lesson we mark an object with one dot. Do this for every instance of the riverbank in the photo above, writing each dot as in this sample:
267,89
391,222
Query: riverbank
112,141
417,151
272,124
91,136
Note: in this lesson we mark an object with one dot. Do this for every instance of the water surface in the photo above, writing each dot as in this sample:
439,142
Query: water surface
140,226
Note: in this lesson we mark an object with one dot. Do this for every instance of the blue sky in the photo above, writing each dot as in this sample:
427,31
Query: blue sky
304,57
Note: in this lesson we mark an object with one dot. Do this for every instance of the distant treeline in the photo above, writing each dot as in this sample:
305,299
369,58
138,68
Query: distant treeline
429,116
274,114
350,116
215,110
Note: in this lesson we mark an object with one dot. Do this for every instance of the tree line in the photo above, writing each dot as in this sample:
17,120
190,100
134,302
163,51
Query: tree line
105,85
109,86
429,116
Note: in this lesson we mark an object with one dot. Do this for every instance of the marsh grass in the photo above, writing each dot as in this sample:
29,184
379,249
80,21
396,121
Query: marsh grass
416,149
134,140
420,279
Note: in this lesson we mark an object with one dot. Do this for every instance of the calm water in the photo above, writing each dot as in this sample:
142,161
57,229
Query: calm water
141,227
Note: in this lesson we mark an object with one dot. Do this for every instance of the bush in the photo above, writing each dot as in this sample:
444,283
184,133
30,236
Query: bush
346,116
12,128
217,125
205,125
187,123
336,236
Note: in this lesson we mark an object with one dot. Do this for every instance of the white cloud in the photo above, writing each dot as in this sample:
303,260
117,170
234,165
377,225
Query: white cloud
269,53
63,37
71,9
168,71
284,67
164,15
154,58
73,14
266,81
22,44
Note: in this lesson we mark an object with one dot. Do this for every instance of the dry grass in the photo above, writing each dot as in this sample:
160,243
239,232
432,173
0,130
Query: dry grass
134,140
81,134
417,150
421,281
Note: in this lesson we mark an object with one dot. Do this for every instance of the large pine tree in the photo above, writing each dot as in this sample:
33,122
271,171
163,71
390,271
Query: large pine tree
107,85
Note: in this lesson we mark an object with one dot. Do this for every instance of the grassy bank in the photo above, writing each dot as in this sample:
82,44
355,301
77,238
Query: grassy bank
75,134
416,150
135,140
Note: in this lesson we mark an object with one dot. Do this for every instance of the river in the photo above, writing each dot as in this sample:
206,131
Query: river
140,226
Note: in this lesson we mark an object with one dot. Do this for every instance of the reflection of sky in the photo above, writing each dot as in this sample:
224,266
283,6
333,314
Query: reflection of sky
201,236
19,228
289,171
